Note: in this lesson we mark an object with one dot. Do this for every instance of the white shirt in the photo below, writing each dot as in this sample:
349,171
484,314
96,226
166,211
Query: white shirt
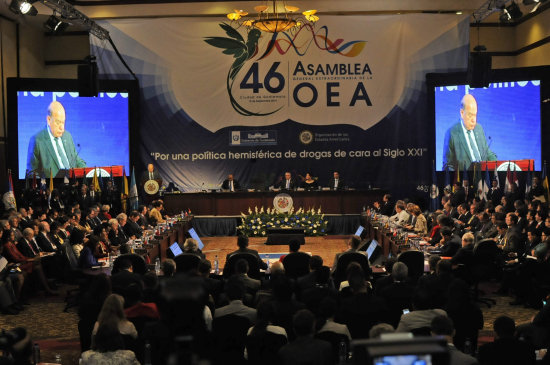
336,183
472,155
57,153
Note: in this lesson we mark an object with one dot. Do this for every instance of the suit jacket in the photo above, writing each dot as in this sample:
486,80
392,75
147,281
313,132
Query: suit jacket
27,248
46,243
132,229
41,155
456,154
306,350
145,177
262,264
226,186
494,195
282,184
340,184
387,209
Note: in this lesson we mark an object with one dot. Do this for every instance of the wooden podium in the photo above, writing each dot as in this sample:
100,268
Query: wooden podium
523,165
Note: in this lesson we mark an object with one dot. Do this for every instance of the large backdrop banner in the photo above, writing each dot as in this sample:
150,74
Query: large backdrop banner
347,95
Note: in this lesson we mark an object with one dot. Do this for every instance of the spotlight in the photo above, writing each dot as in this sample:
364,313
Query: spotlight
23,7
55,25
510,13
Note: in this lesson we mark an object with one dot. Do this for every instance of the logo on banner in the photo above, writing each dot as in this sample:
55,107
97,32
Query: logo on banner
254,138
235,137
265,88
306,137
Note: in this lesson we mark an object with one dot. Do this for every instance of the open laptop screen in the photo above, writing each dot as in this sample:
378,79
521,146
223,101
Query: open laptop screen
194,235
359,231
371,248
176,249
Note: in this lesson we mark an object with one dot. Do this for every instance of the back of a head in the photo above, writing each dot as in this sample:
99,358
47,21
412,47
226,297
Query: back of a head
190,245
108,337
235,288
303,322
377,330
444,267
133,294
315,262
112,309
242,241
322,275
354,242
281,286
400,271
446,221
442,326
168,267
357,281
124,263
241,266
205,266
504,326
294,245
446,232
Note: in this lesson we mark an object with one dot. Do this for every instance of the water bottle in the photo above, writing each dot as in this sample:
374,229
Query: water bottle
216,265
157,266
36,354
342,353
147,354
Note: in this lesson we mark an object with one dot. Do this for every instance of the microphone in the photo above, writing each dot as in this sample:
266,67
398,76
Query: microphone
487,149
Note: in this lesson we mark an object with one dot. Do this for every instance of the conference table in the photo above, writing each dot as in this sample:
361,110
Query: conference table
235,203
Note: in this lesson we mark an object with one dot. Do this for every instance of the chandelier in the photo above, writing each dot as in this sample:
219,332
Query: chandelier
274,16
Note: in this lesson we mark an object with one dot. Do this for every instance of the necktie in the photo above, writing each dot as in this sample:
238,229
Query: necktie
32,248
474,146
62,153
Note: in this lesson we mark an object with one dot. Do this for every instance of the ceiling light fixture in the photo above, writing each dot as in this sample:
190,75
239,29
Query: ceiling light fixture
274,16
24,7
511,13
55,25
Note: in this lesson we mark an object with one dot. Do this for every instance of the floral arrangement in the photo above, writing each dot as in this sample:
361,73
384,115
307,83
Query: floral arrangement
256,223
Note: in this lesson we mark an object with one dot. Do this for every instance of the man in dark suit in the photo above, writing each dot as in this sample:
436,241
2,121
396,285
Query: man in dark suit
465,142
353,245
150,174
125,277
53,147
287,183
495,193
131,228
506,349
230,184
459,195
305,349
336,183
27,245
449,244
242,242
44,242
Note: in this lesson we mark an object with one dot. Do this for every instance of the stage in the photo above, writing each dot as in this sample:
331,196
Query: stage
325,246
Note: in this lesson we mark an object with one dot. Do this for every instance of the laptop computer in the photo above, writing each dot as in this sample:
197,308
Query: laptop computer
373,250
194,235
176,249
359,231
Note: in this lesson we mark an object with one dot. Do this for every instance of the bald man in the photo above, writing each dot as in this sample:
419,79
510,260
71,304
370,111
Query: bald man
53,147
465,142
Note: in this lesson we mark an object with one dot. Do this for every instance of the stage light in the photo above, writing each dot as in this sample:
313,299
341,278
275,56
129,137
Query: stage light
511,13
55,25
23,7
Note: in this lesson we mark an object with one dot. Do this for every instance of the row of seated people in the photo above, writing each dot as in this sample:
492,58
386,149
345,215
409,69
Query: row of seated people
276,322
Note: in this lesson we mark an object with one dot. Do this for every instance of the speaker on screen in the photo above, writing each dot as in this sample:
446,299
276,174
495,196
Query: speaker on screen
479,69
88,84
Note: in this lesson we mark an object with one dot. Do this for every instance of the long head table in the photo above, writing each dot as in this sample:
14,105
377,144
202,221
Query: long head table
235,203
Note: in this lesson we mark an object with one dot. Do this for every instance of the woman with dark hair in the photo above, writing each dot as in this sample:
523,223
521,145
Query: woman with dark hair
77,241
264,340
309,182
108,348
88,254
113,311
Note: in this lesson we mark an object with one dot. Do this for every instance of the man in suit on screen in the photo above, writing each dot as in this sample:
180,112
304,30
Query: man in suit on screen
53,147
465,142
